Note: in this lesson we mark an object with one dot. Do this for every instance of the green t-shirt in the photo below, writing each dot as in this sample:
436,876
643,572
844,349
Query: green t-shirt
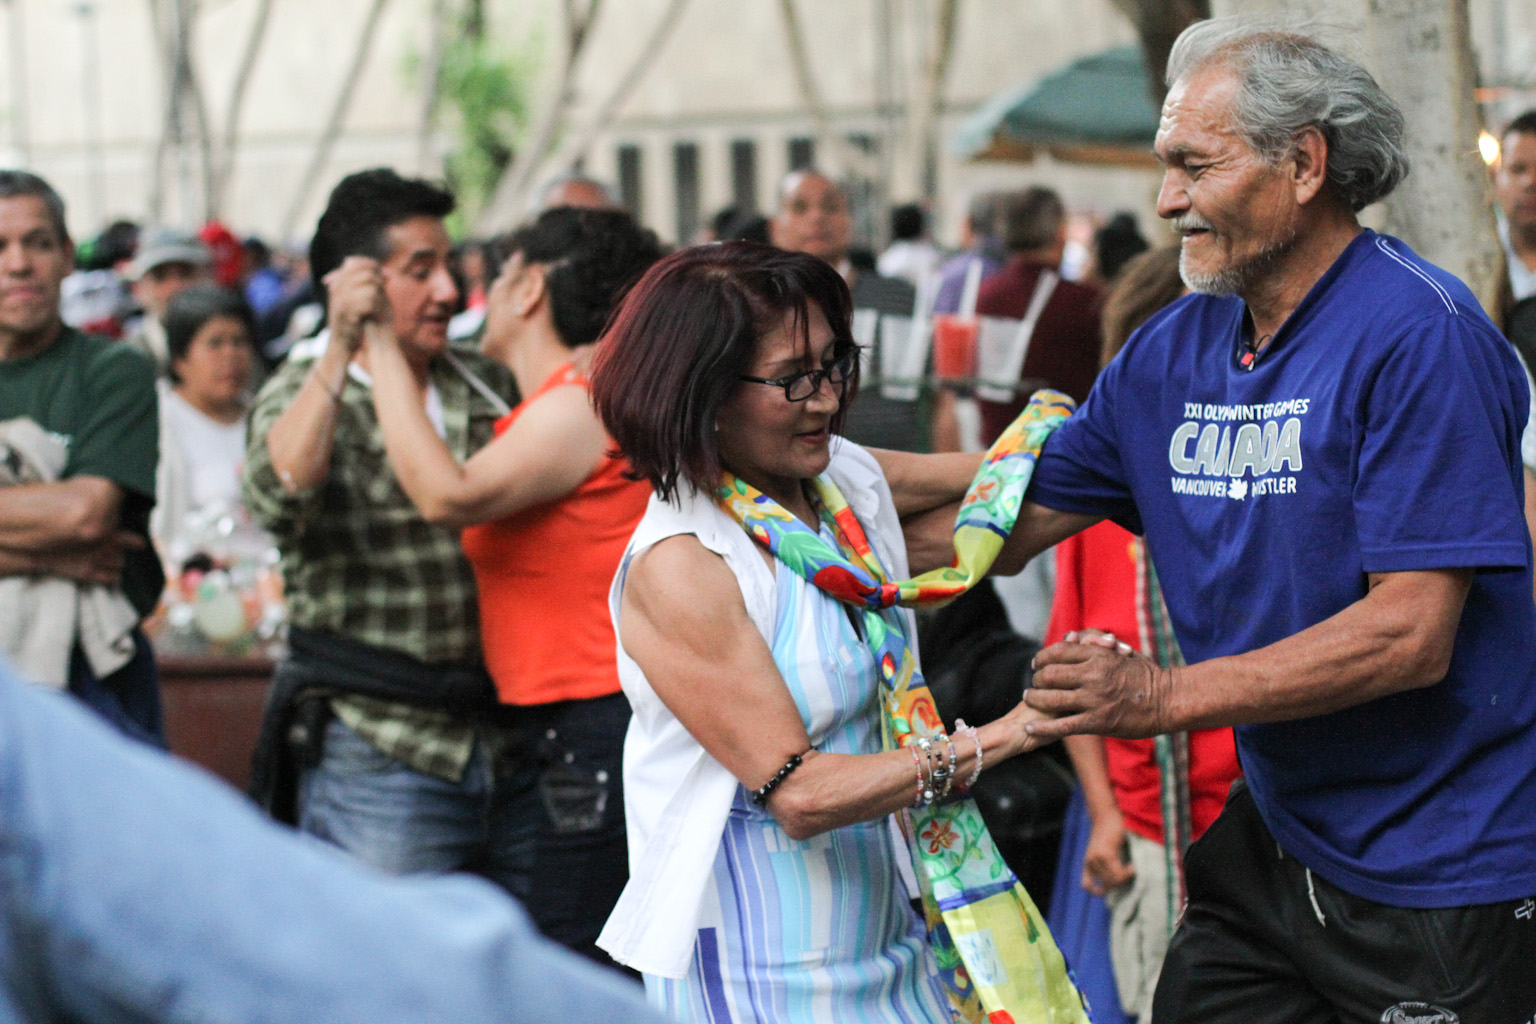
99,397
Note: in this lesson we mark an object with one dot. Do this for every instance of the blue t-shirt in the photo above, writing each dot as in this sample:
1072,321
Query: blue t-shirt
1378,432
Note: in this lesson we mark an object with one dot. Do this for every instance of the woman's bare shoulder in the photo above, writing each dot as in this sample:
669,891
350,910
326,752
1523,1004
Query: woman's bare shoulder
679,578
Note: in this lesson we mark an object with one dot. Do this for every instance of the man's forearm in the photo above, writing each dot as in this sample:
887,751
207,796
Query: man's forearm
68,513
100,562
1398,637
301,439
1037,529
21,563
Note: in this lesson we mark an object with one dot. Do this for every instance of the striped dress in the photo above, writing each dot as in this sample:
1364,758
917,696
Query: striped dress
796,932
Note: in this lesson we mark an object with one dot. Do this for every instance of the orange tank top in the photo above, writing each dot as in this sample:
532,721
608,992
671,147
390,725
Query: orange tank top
543,576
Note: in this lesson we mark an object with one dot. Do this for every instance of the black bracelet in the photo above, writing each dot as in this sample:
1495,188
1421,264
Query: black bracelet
761,794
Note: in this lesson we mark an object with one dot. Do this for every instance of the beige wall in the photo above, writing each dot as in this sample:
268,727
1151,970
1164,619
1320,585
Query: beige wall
307,45
724,75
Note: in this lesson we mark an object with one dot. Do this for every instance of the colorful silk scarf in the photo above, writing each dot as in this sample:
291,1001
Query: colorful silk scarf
997,958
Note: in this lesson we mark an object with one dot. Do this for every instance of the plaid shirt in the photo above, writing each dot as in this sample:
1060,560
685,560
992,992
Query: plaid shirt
359,560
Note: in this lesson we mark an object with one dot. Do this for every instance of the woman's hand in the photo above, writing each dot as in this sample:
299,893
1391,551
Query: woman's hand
1007,737
1104,862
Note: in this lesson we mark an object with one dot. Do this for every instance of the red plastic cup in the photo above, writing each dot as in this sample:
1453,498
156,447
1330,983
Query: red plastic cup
954,346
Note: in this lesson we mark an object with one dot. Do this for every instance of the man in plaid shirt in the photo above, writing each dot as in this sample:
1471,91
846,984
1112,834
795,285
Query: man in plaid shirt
405,766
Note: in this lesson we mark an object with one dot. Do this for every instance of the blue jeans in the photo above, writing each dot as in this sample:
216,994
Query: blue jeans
540,812
136,889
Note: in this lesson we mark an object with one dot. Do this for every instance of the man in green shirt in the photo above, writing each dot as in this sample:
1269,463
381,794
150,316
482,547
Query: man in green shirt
406,767
98,398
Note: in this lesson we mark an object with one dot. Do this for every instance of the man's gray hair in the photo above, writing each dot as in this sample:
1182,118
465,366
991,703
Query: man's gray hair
1029,220
14,184
982,213
1289,81
555,184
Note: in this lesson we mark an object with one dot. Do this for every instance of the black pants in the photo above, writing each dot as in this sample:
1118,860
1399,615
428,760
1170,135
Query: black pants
1264,940
128,698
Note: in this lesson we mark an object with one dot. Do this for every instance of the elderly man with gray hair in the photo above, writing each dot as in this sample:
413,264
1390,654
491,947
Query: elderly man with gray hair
1321,448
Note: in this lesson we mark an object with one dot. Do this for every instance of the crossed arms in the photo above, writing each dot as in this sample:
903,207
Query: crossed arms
68,528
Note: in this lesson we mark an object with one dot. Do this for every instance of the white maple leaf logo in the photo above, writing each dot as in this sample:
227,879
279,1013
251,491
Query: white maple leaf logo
1237,490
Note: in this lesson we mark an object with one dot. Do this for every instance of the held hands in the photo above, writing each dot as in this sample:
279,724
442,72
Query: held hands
355,297
1092,682
1014,730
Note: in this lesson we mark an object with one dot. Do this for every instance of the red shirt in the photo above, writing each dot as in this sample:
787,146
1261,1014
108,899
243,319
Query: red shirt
543,575
1096,589
1064,351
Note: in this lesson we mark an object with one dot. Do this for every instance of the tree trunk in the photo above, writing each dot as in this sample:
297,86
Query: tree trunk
431,81
21,135
192,97
224,164
569,154
505,205
928,106
887,106
1158,23
186,121
163,21
1444,209
332,129
1421,53
836,156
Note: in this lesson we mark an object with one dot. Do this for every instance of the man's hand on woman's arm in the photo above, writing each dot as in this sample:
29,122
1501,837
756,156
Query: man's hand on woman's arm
1398,637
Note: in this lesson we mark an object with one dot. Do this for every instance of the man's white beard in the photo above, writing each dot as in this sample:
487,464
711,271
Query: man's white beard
1233,280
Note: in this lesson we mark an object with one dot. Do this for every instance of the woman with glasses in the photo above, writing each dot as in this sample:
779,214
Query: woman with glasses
546,514
768,880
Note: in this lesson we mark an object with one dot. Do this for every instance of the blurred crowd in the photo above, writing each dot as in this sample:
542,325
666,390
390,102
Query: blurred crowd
218,313
356,505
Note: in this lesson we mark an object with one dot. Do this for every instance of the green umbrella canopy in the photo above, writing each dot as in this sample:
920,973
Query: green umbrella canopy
1095,109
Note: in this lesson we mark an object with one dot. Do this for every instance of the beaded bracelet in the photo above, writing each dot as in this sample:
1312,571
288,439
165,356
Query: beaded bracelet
943,775
917,761
961,729
953,760
926,746
761,794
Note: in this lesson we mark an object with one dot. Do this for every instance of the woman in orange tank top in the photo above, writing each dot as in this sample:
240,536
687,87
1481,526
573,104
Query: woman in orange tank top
546,514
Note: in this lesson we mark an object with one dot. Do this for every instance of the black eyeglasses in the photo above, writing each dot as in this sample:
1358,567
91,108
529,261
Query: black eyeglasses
800,386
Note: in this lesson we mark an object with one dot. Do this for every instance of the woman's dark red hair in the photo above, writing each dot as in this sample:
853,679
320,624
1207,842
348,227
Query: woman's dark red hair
683,337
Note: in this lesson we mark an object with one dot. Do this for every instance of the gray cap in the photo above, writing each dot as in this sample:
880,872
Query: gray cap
160,246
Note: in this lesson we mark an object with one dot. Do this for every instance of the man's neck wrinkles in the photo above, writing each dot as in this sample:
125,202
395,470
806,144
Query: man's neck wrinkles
1274,297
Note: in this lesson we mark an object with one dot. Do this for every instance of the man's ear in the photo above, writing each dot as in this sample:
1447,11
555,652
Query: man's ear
1309,156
